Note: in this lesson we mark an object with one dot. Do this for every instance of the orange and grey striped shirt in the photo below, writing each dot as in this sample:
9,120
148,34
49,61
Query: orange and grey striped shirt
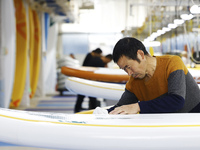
171,89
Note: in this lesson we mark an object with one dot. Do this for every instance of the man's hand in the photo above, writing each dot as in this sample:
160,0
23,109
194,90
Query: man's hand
126,109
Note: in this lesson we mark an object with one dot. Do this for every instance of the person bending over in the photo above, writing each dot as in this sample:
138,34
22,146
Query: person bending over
157,84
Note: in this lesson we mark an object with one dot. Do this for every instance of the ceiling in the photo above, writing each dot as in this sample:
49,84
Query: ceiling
138,17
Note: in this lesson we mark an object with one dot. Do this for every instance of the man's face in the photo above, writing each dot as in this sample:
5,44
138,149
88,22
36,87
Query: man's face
133,67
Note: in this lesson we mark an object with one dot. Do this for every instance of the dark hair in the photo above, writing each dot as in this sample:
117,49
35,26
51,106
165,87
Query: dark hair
128,47
98,51
109,56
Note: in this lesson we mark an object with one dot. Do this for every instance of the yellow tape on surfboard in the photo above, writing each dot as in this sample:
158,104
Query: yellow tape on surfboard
21,53
86,112
35,53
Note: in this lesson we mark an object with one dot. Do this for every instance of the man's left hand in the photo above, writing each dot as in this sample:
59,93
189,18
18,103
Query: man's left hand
126,109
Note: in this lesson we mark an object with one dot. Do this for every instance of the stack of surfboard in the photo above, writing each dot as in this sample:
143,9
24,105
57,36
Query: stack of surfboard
65,61
101,82
96,82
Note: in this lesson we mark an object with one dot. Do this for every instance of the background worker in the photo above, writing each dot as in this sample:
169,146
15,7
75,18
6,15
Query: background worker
95,53
93,62
98,62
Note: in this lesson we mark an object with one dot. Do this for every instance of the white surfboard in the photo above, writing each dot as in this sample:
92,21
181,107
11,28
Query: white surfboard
195,73
96,132
8,47
111,91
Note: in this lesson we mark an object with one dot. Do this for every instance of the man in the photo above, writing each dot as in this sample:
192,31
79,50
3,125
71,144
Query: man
87,62
95,61
100,61
160,84
95,53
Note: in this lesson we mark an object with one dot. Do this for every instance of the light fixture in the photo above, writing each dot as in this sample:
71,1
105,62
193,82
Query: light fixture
172,26
160,32
151,38
195,9
166,29
178,21
151,44
187,16
154,35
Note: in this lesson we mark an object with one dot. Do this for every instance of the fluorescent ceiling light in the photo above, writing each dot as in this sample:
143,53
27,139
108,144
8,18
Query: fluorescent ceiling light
172,26
150,38
151,44
161,32
166,29
187,16
178,21
195,9
154,34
